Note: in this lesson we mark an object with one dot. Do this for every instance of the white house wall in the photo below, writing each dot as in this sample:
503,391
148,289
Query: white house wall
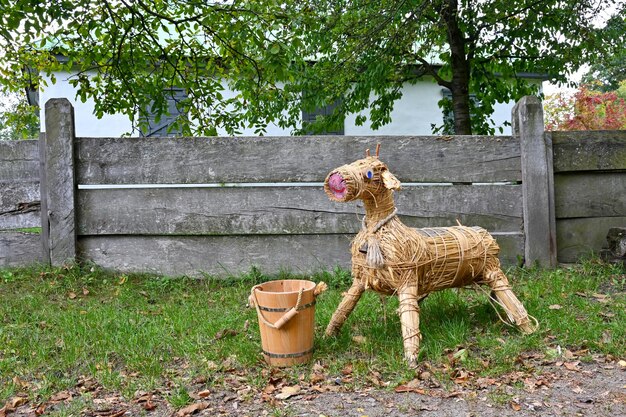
86,123
413,114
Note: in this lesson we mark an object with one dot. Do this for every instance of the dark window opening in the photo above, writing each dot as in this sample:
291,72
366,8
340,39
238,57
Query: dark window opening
448,112
310,117
166,126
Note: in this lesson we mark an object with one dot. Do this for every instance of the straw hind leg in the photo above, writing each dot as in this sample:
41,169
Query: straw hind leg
515,311
410,322
349,301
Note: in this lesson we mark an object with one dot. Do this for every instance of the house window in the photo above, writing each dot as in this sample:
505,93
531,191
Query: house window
448,113
310,117
166,124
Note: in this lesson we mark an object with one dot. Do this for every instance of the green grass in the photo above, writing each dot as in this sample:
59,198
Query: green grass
133,332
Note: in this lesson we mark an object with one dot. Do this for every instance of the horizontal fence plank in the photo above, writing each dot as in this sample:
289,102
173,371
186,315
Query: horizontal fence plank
231,255
19,249
292,159
285,210
589,150
590,194
19,161
19,205
578,238
216,255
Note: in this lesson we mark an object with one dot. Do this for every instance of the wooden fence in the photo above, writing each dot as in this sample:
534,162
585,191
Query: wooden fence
222,205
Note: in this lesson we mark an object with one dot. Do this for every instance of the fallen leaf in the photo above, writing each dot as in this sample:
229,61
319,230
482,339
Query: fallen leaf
225,333
191,409
572,366
61,396
461,355
288,392
347,370
246,325
149,405
359,339
85,291
622,363
425,375
318,368
601,298
71,295
119,413
16,402
316,378
515,406
404,388
41,409
20,383
555,307
376,379
411,386
204,393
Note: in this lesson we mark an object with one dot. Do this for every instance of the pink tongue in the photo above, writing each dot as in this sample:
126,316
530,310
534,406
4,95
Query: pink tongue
337,185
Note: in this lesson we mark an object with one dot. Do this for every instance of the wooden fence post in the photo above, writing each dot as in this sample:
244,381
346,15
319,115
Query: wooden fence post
58,188
43,213
537,182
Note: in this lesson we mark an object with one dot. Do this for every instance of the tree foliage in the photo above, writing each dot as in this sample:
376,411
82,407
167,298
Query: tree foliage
281,57
18,120
609,68
586,109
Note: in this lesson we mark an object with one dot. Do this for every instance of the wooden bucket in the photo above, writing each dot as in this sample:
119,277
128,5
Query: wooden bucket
286,313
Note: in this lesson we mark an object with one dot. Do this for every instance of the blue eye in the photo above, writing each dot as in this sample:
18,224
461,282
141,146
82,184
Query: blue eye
369,174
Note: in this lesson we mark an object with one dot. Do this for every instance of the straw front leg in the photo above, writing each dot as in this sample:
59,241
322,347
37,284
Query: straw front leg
505,297
410,321
350,299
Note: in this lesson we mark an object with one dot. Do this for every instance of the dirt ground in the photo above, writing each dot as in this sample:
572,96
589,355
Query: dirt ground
561,389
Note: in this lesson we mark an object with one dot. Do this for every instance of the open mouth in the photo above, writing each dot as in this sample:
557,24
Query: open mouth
337,186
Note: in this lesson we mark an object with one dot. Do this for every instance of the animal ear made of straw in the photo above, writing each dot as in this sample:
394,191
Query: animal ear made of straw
390,181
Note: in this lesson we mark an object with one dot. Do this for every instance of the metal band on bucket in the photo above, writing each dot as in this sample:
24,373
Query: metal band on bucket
282,310
288,355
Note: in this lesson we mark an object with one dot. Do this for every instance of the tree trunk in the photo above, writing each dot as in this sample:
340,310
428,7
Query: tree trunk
460,68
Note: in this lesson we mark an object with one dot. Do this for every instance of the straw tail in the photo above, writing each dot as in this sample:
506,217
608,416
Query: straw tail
505,297
349,301
410,323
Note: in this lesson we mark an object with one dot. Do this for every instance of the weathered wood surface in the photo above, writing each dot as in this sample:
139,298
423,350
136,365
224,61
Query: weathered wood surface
19,161
19,249
537,182
60,183
19,205
589,150
231,255
590,194
285,210
43,190
291,159
580,237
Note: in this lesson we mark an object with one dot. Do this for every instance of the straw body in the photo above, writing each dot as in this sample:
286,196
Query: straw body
412,262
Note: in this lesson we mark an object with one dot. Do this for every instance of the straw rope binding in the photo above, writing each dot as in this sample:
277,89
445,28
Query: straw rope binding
392,258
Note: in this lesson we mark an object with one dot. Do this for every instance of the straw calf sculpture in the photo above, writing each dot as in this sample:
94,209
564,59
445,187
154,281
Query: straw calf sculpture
392,258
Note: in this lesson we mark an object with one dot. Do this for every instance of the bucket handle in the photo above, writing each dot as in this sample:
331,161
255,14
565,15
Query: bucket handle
285,318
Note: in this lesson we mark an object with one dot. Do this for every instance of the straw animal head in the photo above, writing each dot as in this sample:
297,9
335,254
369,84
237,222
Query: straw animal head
364,179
